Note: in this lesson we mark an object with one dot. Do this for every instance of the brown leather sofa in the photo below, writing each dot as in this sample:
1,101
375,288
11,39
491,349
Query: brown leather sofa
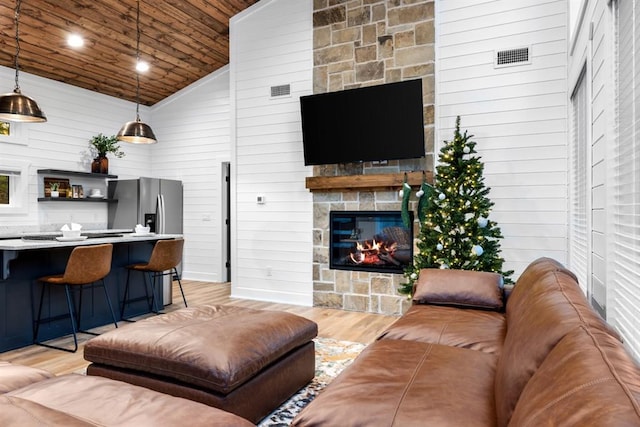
459,358
33,397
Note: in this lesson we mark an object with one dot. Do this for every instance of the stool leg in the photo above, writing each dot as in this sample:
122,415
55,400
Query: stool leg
79,312
73,321
106,295
126,295
154,301
36,326
147,276
180,284
72,315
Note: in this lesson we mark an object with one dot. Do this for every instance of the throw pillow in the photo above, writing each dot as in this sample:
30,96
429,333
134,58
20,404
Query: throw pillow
460,288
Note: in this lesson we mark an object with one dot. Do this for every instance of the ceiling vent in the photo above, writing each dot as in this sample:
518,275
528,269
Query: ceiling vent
281,90
519,56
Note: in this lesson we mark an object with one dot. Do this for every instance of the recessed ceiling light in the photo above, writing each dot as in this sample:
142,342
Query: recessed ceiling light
142,66
75,40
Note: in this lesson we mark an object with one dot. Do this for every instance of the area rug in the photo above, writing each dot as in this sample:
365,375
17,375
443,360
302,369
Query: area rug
332,356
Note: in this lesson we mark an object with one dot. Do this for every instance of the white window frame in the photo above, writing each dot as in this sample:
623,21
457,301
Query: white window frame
18,186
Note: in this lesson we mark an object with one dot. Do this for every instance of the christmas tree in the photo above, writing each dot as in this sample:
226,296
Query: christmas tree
455,229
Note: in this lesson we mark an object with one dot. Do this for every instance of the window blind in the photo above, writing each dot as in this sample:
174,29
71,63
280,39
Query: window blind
578,230
626,179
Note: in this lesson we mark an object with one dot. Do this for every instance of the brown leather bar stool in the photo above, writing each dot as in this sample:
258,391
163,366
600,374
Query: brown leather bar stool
87,266
164,259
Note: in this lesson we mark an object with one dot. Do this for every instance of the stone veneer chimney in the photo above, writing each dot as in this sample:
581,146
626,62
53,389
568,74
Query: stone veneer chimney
363,43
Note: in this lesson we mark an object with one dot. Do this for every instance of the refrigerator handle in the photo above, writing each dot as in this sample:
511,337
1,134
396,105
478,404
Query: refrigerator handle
159,214
162,215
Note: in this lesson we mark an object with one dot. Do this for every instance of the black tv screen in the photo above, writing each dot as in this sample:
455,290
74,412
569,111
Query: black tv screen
373,123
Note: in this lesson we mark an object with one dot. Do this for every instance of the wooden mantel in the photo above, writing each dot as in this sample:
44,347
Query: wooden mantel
365,182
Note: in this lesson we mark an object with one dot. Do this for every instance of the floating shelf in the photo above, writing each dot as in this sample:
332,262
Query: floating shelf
56,173
75,173
71,199
365,182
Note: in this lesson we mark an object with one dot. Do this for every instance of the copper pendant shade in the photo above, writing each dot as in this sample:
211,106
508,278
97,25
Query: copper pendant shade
137,132
14,106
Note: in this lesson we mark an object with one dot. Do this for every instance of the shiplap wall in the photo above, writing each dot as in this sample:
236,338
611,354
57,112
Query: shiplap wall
271,44
518,114
193,130
74,116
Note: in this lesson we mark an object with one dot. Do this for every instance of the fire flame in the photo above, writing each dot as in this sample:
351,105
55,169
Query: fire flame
372,252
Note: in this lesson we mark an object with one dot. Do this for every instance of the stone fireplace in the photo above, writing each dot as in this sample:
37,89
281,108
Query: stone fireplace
375,241
362,43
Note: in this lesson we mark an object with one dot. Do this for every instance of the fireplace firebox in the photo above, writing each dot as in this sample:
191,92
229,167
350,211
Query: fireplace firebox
375,241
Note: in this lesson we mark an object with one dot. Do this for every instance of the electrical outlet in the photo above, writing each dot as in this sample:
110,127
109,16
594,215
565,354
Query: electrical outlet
269,271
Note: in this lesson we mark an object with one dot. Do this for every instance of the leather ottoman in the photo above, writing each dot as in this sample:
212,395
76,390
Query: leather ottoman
237,359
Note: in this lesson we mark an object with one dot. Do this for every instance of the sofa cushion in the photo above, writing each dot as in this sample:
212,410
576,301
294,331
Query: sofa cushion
104,402
15,376
546,304
24,413
473,329
459,288
217,348
586,366
406,383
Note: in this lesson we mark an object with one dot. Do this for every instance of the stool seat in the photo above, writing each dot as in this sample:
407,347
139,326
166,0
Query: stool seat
86,266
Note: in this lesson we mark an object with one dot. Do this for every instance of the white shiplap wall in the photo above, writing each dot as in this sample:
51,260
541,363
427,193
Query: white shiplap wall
193,129
271,44
518,114
74,116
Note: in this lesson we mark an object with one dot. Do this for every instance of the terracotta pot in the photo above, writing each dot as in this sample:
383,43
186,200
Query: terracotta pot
100,165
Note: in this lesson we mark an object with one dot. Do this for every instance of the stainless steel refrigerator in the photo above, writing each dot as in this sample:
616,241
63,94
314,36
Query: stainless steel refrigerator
147,201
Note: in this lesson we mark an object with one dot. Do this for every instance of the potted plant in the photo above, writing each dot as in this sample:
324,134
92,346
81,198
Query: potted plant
54,189
100,146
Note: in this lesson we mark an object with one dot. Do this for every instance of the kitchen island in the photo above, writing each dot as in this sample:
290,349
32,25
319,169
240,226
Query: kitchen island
23,260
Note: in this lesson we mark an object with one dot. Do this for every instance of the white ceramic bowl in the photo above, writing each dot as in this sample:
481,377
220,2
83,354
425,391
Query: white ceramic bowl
71,233
143,230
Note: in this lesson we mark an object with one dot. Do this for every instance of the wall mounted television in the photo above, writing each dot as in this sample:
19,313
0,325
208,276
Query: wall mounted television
373,123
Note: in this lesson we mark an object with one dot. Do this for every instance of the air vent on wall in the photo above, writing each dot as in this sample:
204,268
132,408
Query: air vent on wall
517,56
281,90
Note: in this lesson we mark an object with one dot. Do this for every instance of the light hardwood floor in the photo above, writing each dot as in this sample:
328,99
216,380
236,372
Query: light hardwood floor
337,324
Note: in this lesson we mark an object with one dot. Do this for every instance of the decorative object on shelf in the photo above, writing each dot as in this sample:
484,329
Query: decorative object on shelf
54,189
137,132
101,145
14,106
78,192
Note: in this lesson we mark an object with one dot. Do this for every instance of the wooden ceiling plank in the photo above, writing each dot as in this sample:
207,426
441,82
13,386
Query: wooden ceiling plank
125,41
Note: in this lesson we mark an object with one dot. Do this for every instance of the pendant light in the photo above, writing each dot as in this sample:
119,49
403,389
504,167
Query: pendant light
137,132
14,106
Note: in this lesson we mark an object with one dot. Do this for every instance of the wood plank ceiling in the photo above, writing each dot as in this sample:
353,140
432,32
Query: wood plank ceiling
182,40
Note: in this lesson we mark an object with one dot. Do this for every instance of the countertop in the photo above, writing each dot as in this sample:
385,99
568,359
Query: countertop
17,244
